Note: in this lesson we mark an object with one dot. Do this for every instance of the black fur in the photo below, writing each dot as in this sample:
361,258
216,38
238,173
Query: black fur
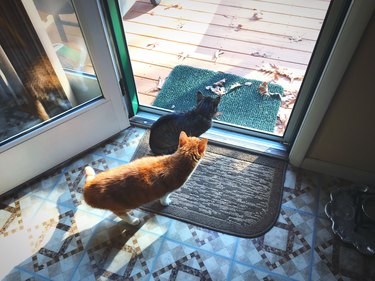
166,130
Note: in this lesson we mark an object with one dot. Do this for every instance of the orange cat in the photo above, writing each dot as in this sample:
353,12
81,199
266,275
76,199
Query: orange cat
143,180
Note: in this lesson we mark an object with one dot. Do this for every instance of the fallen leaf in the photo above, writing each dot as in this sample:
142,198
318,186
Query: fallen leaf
263,88
295,38
176,6
182,55
276,71
180,25
257,15
238,27
152,45
234,86
160,83
217,90
258,54
158,86
220,83
217,54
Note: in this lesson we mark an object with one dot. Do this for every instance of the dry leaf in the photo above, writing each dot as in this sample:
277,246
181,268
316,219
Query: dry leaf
180,25
158,86
152,45
257,15
258,54
238,27
276,71
176,6
295,38
219,83
182,55
234,86
160,83
217,54
217,90
263,88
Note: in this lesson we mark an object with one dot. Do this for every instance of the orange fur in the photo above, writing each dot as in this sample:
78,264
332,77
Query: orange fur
144,180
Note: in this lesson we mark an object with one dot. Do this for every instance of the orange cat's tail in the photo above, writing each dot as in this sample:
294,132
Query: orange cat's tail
90,173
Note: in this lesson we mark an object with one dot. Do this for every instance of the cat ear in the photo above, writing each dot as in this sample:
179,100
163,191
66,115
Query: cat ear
199,96
202,146
183,138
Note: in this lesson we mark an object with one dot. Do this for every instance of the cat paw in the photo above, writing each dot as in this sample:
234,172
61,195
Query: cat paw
131,220
90,173
165,201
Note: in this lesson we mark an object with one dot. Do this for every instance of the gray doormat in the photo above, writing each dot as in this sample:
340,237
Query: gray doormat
231,191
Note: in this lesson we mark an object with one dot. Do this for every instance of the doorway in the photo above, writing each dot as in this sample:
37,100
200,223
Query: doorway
280,43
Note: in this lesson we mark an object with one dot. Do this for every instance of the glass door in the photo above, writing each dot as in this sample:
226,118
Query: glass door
263,58
59,88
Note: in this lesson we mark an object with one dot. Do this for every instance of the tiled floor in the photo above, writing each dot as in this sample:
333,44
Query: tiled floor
48,233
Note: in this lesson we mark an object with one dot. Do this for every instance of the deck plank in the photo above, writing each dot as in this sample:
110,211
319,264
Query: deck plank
269,15
228,21
231,58
239,33
225,44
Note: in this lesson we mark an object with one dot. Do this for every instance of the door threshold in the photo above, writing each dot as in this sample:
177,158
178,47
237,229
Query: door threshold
226,138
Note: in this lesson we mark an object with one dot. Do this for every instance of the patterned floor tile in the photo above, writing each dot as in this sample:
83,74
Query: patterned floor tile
123,145
180,262
56,237
336,260
115,254
149,222
203,238
68,190
285,249
241,272
19,275
300,190
43,186
15,211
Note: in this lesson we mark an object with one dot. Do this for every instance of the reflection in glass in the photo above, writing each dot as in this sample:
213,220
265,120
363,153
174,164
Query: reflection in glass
45,68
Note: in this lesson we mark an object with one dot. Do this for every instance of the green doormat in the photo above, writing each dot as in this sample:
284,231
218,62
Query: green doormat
242,106
231,191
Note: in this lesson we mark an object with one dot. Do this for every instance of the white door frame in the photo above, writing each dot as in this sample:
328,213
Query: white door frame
62,139
357,18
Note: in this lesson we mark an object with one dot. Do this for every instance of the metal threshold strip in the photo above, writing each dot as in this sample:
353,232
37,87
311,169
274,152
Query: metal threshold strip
226,138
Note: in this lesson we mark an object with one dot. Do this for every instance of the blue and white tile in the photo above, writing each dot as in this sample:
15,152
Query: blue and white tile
119,251
300,190
181,262
123,145
206,239
285,249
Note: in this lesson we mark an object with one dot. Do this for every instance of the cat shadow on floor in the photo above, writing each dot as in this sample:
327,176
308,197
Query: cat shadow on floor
75,243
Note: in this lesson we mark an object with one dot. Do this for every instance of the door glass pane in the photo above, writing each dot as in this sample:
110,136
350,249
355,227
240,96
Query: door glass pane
45,68
268,42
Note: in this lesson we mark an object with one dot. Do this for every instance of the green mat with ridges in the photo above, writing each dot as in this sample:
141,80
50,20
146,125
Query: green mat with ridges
243,106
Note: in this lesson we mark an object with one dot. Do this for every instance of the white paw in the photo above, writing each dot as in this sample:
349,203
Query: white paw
130,219
134,221
165,201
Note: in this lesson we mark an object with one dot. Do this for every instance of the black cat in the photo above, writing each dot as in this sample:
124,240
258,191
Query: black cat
166,130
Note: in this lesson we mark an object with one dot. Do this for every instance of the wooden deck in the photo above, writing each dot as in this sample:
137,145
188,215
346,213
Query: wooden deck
256,37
